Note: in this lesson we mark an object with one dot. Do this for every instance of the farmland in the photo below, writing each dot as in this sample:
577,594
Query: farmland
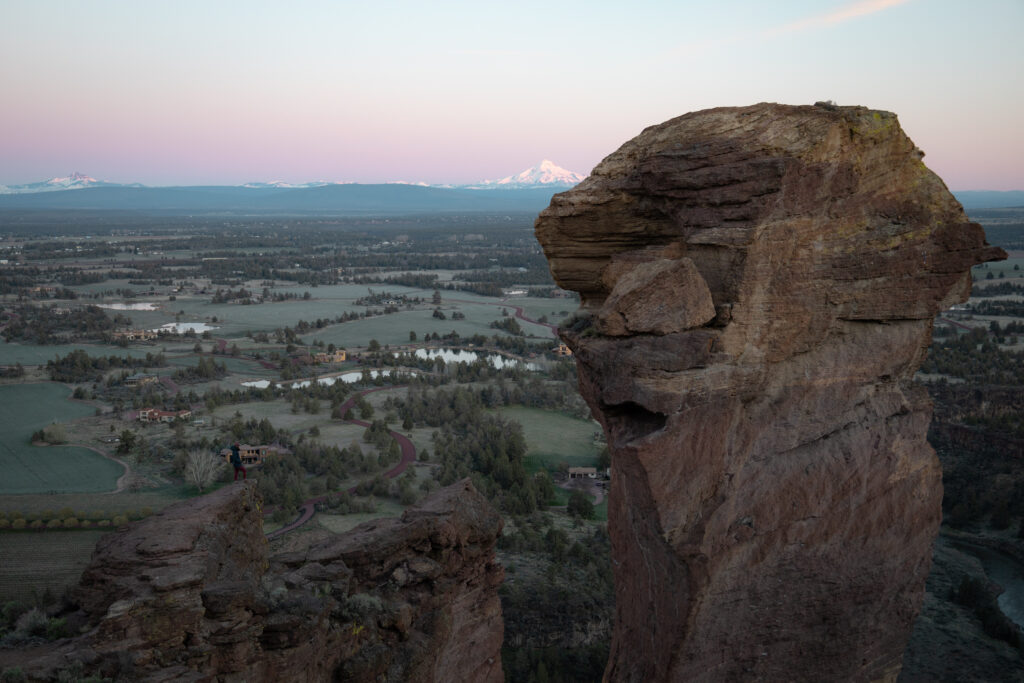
35,563
60,469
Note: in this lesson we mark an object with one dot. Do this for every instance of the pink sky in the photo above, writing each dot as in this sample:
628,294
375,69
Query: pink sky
182,93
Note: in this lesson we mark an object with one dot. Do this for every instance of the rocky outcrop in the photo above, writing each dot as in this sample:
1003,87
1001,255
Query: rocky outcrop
758,288
192,595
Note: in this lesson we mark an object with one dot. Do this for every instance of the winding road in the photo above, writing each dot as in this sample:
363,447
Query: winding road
518,309
308,507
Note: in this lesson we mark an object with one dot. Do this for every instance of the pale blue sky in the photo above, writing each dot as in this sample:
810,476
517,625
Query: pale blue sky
228,92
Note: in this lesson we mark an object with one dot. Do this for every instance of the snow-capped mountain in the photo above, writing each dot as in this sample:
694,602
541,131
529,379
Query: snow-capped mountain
544,174
75,181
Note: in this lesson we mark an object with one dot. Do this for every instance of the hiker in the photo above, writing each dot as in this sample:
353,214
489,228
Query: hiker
236,461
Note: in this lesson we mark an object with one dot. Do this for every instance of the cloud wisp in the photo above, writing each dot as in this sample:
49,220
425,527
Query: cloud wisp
853,10
848,12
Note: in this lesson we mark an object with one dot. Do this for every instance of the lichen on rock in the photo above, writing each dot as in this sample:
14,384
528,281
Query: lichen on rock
758,287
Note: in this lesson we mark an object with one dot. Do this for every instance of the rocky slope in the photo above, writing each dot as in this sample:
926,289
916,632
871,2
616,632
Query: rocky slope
192,595
758,289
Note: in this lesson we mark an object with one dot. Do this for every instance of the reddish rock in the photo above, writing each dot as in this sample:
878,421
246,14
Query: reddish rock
773,498
192,595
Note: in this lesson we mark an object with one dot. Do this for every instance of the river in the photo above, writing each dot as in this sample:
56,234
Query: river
1007,572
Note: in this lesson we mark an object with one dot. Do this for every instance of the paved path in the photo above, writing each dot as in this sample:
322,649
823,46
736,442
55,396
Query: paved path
956,324
308,507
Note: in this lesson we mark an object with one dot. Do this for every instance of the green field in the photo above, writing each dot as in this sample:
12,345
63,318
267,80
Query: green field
32,562
88,504
25,408
33,354
553,438
395,328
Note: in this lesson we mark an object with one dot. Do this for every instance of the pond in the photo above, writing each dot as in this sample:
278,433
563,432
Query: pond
147,306
178,328
462,356
347,378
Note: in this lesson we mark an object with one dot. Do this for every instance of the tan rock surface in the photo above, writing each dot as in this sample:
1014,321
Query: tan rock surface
773,498
191,594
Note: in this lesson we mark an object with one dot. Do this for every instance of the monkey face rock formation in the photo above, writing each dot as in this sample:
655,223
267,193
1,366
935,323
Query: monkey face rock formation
192,595
758,288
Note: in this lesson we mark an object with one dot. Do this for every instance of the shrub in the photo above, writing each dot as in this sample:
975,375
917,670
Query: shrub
18,523
120,520
56,628
5,523
71,523
103,522
13,675
37,524
31,623
55,524
54,433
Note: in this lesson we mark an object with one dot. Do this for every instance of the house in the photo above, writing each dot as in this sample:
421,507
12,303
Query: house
563,350
581,472
338,356
135,335
155,415
253,456
139,379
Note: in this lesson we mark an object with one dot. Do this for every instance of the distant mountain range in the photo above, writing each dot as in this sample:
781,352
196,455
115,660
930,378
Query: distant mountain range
544,175
990,199
75,181
529,191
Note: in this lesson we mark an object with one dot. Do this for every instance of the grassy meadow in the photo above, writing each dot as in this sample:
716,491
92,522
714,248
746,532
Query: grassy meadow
553,438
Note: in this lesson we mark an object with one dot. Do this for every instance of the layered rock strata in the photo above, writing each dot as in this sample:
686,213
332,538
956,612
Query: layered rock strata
758,287
191,594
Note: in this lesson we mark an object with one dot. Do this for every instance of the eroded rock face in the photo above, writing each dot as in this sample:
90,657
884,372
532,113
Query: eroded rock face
773,498
192,595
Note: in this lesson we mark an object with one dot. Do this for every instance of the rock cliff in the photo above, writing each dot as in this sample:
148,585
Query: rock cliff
758,289
191,594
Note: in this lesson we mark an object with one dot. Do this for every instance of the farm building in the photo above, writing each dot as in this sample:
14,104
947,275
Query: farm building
580,472
155,415
135,335
563,350
338,356
139,379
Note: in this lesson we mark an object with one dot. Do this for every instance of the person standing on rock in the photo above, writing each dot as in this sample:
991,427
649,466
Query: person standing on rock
236,461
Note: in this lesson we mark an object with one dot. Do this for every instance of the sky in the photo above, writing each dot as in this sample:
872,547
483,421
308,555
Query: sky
187,92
